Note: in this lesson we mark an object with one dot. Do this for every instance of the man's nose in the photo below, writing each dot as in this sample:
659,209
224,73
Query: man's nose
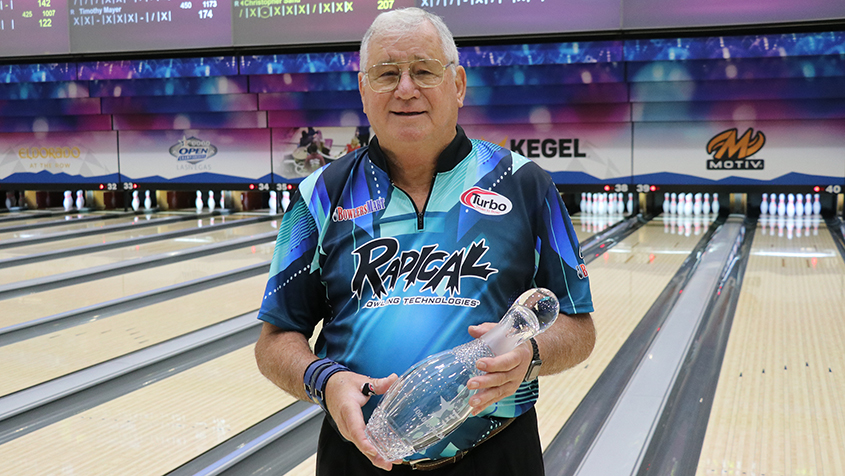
406,88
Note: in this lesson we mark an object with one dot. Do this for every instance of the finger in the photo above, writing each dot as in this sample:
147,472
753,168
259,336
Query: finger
381,385
491,380
481,329
355,430
503,363
487,397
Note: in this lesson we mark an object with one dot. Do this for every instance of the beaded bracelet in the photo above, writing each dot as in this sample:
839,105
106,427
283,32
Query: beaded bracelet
317,376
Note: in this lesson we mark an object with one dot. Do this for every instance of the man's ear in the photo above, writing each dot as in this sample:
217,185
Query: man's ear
461,84
361,89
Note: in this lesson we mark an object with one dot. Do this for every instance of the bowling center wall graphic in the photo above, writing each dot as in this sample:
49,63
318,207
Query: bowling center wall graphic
149,152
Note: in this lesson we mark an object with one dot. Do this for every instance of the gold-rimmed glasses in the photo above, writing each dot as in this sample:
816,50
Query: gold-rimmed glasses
426,73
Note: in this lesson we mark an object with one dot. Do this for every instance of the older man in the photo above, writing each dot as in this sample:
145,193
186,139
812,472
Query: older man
411,246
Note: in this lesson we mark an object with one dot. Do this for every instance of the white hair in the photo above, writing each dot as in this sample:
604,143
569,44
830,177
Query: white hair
403,21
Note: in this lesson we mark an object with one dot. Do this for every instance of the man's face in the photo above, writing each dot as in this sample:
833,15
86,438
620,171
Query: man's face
409,114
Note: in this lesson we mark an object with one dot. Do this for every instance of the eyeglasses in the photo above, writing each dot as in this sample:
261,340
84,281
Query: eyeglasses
426,73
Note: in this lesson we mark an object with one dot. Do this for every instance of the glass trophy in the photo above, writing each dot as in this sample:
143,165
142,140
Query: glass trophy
431,399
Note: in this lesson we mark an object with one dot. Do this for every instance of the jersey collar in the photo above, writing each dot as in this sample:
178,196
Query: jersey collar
452,155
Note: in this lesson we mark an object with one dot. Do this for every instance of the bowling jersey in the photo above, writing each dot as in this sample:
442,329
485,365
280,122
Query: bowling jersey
393,284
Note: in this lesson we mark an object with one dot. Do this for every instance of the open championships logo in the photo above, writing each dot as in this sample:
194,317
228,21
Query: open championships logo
486,202
192,150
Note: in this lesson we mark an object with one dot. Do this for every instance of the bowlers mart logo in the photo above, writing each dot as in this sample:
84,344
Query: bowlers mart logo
731,153
486,202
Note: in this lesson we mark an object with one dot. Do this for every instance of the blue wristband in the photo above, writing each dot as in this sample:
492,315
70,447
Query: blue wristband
317,376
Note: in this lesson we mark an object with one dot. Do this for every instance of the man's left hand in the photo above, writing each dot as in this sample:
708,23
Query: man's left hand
504,373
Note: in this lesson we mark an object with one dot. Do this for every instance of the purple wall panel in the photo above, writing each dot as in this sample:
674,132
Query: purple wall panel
539,114
194,120
169,87
304,82
560,94
37,73
177,104
55,123
771,89
802,67
317,100
159,68
703,111
44,107
69,89
317,118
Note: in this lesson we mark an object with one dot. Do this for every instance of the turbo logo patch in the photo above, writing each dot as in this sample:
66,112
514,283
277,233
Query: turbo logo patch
486,202
381,264
732,153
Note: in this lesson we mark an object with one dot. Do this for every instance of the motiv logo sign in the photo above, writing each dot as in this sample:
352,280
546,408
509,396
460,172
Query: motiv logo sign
730,153
486,202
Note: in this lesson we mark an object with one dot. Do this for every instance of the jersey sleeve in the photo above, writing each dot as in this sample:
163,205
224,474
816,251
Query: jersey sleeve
558,261
295,297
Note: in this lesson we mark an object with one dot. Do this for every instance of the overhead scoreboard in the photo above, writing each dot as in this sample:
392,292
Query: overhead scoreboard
61,27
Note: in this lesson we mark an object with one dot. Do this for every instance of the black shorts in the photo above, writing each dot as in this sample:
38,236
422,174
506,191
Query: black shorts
515,451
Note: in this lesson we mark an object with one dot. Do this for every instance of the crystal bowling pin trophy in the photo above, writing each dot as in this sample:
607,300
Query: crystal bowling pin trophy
431,399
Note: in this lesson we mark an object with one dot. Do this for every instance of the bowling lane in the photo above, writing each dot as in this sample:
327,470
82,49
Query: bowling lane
42,358
69,223
588,225
153,430
624,281
59,219
112,236
37,305
129,253
779,406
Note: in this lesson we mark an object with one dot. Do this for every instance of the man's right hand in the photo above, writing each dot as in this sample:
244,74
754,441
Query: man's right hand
344,400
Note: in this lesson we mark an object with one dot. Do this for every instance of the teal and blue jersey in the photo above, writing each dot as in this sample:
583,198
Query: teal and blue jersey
393,284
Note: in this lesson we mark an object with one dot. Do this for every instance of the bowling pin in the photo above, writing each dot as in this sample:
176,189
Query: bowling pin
583,204
620,204
764,205
211,202
68,201
715,205
222,200
682,204
781,207
773,206
273,202
673,203
799,205
696,206
630,204
666,203
198,202
688,204
808,206
611,204
790,206
817,206
80,199
9,196
285,200
148,201
705,205
136,202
